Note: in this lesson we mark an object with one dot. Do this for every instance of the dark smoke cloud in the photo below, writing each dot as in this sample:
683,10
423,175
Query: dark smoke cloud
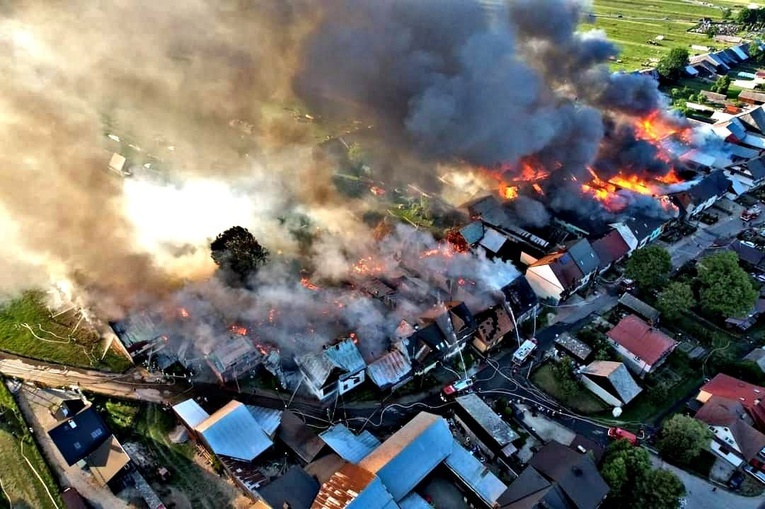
440,73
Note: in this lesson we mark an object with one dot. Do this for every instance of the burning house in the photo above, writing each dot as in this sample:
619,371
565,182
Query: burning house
335,370
440,334
232,358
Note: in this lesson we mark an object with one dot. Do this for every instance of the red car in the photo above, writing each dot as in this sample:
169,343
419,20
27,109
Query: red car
622,434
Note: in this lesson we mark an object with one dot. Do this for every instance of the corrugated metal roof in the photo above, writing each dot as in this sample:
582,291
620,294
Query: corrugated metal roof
414,501
346,356
348,446
474,474
232,431
352,487
493,240
316,367
638,306
404,460
472,232
482,413
268,418
190,413
389,369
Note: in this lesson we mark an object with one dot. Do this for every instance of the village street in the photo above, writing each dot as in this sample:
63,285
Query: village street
132,385
699,494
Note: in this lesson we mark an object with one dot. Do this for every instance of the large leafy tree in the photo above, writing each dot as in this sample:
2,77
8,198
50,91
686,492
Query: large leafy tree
649,267
236,251
633,481
671,65
725,288
675,299
658,489
682,439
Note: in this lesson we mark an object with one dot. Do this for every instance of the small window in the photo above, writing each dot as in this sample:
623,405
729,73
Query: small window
97,433
77,446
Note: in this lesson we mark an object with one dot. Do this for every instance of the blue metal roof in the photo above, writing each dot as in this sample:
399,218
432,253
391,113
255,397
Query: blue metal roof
190,413
404,460
414,501
268,418
232,431
474,474
350,447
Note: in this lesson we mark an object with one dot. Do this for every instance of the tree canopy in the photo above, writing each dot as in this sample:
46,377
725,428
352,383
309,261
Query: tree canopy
675,299
725,288
682,439
722,85
658,489
649,267
237,251
756,53
671,65
633,481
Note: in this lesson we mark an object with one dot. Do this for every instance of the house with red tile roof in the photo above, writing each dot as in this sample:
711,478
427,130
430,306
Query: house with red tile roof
734,438
749,395
643,348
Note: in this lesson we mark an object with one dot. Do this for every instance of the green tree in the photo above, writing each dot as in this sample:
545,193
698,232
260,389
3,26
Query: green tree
622,466
238,253
675,299
658,489
649,267
746,16
725,288
672,64
756,53
722,85
682,439
726,13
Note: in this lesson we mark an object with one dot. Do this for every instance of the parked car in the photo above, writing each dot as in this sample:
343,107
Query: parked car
458,386
736,480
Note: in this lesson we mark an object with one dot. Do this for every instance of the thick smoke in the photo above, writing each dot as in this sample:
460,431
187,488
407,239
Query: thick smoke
196,91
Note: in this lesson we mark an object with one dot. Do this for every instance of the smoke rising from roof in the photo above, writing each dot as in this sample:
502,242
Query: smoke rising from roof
440,81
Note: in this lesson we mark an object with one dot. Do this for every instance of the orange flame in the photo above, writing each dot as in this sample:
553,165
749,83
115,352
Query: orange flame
307,284
508,192
354,337
367,266
670,178
183,313
377,191
238,329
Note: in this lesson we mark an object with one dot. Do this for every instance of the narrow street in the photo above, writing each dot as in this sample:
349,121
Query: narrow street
130,385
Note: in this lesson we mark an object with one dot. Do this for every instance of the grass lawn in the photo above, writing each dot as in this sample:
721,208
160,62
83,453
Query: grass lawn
18,479
28,329
583,402
642,21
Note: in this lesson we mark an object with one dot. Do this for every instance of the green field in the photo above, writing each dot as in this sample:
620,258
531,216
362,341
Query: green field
149,425
28,329
643,20
19,482
584,402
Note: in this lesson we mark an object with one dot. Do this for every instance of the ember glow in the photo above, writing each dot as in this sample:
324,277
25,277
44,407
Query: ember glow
238,330
368,266
307,284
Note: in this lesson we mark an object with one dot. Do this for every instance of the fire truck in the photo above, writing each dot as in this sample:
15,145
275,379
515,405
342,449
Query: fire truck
524,351
752,212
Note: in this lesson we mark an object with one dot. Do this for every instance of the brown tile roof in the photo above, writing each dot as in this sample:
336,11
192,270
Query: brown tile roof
641,339
725,386
728,413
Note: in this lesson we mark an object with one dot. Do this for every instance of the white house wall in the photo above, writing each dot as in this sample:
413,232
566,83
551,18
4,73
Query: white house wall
544,283
632,361
600,392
